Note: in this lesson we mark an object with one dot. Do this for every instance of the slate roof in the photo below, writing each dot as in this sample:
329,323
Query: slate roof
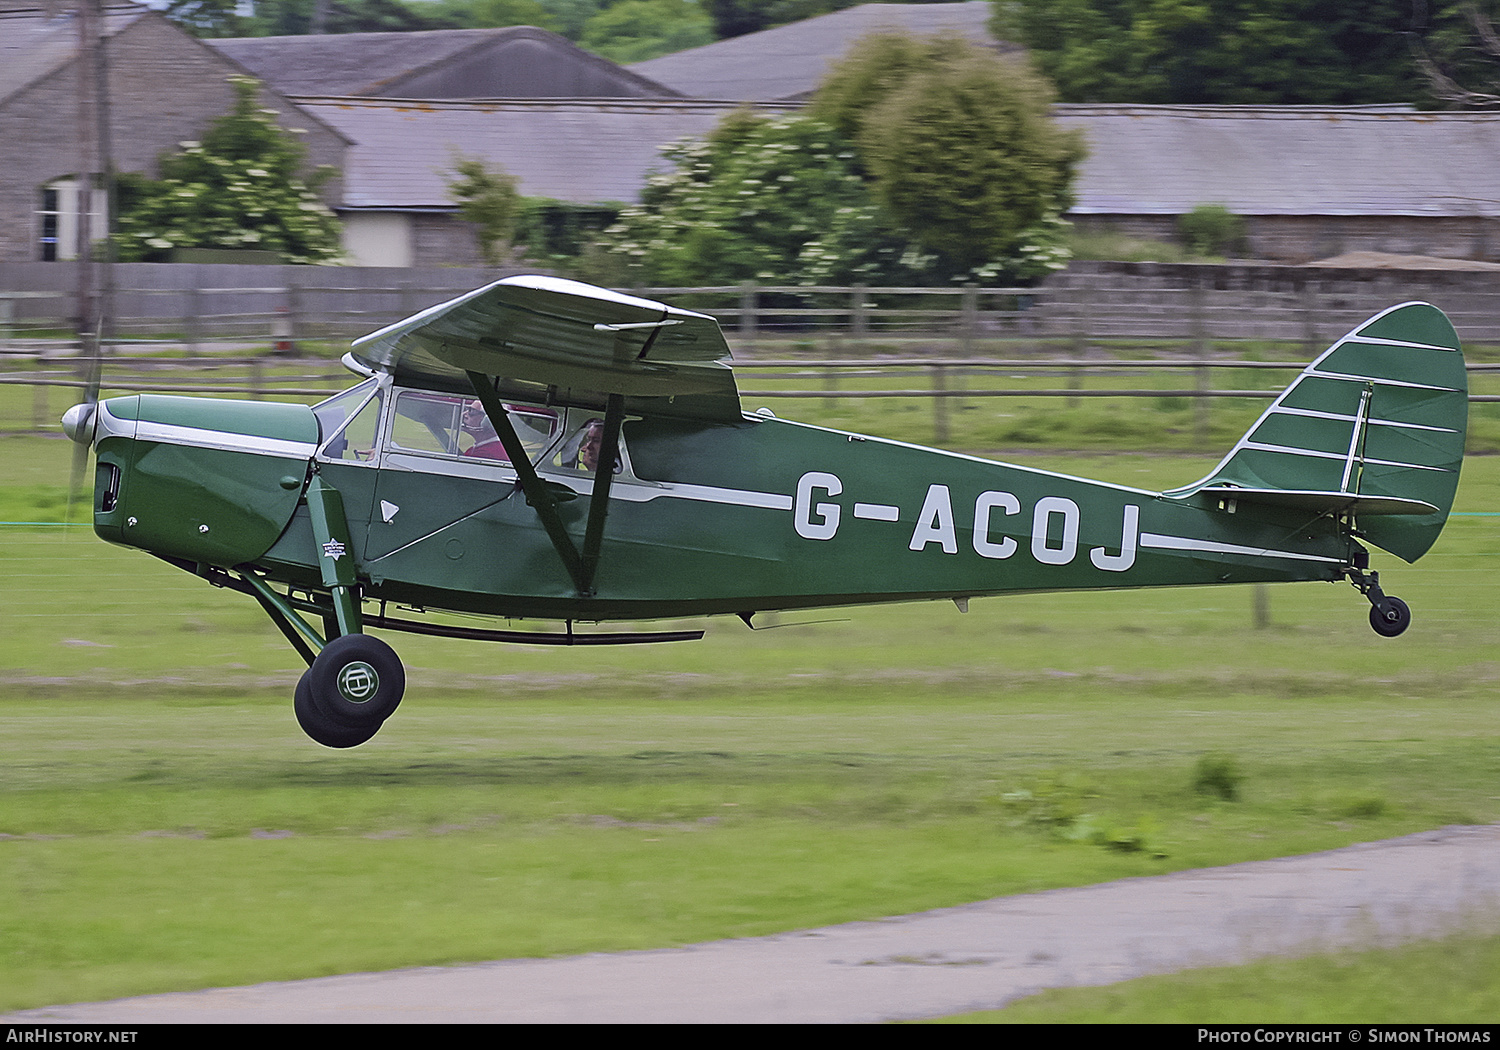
788,62
1286,160
584,151
1143,160
511,62
34,42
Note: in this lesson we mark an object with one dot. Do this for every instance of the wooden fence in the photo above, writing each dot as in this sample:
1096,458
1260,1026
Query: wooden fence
1204,307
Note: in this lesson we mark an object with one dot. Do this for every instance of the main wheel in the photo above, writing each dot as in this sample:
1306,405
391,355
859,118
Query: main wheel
356,681
1390,617
317,725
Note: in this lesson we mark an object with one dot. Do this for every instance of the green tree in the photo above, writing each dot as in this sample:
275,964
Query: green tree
492,14
238,188
921,161
210,18
760,199
384,16
488,198
635,30
1217,51
570,16
1457,49
874,68
959,147
223,18
737,17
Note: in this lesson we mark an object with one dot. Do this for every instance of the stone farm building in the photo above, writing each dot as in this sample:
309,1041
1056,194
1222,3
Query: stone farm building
393,111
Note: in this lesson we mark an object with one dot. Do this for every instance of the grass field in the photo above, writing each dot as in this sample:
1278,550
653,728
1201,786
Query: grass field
165,825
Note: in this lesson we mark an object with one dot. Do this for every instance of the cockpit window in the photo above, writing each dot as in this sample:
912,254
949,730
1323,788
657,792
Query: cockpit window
350,438
357,441
579,451
449,425
332,413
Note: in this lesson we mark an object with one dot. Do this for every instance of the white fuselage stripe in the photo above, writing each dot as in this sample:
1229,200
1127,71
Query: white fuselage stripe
1183,543
633,491
174,434
733,497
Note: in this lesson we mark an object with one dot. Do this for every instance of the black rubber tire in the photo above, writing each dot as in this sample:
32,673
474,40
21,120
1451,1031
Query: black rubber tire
1390,618
356,681
319,728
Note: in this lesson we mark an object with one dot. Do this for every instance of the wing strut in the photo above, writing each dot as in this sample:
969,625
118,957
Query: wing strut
538,495
604,476
581,567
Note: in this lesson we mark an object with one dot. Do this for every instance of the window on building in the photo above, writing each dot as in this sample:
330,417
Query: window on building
58,217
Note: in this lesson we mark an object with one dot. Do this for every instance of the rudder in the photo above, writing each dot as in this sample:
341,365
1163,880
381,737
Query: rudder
1377,422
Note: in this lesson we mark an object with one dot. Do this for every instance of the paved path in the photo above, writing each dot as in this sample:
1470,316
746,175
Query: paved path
934,963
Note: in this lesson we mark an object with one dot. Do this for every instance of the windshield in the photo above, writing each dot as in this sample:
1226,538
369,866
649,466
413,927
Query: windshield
332,413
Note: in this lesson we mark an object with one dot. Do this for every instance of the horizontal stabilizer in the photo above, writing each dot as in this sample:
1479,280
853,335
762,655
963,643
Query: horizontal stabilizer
1322,502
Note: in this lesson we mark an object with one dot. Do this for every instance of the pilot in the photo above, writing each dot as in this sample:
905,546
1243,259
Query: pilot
487,444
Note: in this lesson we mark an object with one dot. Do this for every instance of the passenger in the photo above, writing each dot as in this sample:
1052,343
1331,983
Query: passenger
593,442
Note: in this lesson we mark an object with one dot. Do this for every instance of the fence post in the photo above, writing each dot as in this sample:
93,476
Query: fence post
1203,384
939,405
1310,316
1203,348
1080,338
749,303
969,318
39,407
293,316
830,374
191,323
1080,320
859,320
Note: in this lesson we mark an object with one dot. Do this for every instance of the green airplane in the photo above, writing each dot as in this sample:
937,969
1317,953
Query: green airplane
541,448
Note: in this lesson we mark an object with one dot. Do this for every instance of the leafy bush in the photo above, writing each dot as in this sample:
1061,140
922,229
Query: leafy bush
1218,774
238,188
1212,229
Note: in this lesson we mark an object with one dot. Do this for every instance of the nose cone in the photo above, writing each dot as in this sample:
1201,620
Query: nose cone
78,423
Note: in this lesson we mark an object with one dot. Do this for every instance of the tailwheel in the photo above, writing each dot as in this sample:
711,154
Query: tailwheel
353,686
1390,616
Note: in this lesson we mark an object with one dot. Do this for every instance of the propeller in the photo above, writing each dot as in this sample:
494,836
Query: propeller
80,422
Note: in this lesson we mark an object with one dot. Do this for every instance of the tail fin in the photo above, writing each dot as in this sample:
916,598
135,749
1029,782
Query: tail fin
1374,428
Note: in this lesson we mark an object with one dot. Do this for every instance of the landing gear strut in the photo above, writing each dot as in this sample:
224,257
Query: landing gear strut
1389,616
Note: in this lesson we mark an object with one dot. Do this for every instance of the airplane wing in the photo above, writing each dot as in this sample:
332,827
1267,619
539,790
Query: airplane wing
566,334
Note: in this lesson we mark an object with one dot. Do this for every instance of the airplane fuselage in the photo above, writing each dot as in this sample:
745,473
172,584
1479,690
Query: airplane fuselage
703,518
